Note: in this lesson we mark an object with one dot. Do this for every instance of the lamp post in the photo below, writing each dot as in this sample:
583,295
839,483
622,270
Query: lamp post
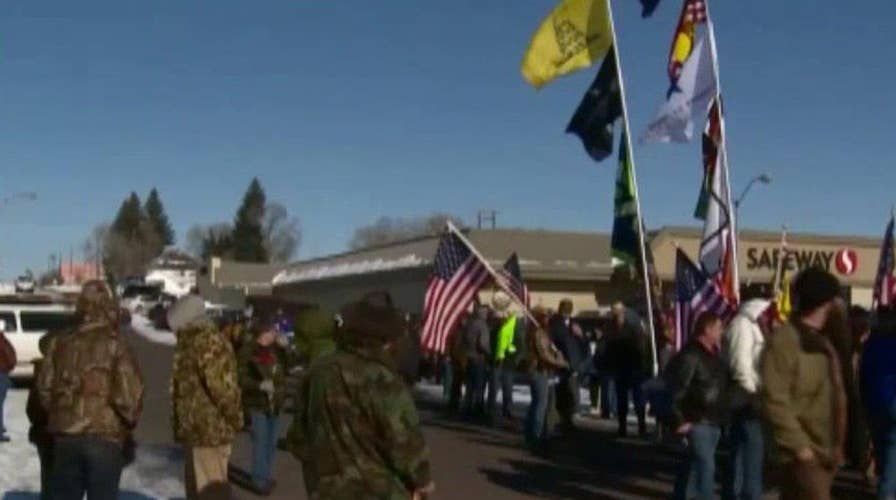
761,178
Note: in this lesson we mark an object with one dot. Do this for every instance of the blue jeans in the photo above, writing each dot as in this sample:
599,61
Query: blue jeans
5,384
607,397
883,433
696,478
502,378
748,452
264,446
536,417
474,400
85,465
447,377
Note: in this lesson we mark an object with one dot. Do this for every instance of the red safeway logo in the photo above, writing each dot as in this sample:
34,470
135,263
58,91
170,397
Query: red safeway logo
847,261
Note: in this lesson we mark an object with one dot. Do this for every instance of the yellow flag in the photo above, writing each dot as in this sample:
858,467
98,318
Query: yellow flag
783,303
574,35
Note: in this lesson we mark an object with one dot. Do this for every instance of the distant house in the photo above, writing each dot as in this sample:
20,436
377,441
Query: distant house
175,271
77,273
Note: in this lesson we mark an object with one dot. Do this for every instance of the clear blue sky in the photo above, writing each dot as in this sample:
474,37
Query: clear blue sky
351,109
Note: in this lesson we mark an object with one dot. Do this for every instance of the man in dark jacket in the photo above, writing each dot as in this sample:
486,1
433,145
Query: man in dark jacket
7,364
93,392
628,355
569,340
697,379
477,346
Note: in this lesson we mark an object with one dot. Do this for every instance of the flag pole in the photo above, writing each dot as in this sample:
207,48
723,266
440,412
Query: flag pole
641,226
732,216
779,269
488,267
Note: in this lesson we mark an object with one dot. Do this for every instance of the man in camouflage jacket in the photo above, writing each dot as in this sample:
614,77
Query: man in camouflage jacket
356,430
92,391
205,396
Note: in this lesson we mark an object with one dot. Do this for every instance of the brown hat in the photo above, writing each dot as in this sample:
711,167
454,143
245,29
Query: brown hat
373,319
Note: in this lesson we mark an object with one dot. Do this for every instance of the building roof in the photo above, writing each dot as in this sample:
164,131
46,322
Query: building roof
556,255
228,273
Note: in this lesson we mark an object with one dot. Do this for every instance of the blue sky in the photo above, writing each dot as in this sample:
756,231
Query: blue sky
351,109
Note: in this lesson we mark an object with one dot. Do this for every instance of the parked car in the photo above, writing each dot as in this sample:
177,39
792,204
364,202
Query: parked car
25,284
26,321
139,299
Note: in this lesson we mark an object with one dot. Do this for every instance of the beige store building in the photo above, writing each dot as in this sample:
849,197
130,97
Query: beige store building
559,264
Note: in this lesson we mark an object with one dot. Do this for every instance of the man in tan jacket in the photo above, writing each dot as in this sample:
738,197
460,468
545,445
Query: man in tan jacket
92,390
803,392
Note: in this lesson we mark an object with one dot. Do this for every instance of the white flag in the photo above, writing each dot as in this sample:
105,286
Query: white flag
674,121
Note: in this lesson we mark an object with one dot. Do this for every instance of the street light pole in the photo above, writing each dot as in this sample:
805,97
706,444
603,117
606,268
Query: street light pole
763,178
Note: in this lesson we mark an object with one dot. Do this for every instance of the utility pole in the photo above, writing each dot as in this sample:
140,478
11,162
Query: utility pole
484,216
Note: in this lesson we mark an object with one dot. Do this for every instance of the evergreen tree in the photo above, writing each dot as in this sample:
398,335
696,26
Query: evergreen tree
128,222
155,212
248,236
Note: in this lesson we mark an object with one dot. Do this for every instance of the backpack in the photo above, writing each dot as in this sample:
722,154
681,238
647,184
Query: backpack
8,358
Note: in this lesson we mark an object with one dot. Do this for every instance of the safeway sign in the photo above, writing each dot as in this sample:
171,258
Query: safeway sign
845,261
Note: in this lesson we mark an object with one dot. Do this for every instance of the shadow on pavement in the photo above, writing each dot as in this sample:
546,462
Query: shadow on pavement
24,495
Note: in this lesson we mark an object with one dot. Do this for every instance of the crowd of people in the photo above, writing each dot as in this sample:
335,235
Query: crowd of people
354,427
803,396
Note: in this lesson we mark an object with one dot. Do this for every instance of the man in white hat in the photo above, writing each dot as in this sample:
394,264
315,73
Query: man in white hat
507,337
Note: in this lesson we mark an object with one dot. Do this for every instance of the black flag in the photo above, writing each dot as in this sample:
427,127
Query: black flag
600,108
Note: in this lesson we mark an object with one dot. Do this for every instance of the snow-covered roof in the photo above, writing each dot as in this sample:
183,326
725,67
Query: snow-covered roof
326,270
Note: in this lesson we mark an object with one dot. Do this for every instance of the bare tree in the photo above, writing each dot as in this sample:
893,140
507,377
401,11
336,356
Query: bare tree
282,233
93,245
130,255
391,229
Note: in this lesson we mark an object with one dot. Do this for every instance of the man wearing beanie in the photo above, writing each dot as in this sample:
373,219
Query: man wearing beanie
803,391
206,398
356,430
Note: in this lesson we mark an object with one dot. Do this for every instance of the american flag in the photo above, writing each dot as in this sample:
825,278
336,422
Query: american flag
514,276
695,293
457,276
884,282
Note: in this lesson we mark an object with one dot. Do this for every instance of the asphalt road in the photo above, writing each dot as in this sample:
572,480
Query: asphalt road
471,461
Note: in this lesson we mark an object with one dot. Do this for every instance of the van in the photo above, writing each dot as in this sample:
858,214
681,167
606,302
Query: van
26,322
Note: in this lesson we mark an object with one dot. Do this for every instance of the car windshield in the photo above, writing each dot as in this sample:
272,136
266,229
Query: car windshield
134,291
45,321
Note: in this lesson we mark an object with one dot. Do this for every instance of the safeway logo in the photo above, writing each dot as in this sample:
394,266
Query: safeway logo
847,261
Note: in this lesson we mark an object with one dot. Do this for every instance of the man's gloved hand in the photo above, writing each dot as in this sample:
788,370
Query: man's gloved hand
267,386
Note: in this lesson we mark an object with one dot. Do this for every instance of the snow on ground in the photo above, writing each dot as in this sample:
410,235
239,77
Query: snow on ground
156,473
144,327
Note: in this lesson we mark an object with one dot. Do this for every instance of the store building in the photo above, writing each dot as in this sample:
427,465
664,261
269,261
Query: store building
560,264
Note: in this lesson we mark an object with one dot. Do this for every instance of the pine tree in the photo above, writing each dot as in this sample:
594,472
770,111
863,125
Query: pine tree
248,237
155,212
129,219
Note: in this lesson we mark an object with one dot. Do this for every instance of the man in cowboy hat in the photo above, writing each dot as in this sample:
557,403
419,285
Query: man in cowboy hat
508,332
356,430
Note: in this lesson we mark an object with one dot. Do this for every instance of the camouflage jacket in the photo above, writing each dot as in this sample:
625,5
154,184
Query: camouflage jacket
356,430
205,392
257,364
89,384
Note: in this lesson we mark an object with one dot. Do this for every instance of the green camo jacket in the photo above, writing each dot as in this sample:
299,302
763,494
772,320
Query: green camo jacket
205,392
356,430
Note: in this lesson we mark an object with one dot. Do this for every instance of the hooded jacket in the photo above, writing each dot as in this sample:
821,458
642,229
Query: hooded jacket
744,343
89,382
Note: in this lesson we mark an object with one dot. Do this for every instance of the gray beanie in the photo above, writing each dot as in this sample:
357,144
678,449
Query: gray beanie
185,312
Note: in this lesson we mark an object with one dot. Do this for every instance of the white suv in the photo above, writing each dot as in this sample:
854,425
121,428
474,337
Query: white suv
25,323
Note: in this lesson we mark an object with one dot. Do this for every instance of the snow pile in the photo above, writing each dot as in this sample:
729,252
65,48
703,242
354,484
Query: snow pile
156,473
325,271
144,327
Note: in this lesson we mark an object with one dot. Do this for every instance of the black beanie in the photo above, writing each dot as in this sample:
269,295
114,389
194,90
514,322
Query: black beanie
813,287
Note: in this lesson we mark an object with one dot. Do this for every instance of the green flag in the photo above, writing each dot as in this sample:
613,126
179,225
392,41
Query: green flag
624,241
